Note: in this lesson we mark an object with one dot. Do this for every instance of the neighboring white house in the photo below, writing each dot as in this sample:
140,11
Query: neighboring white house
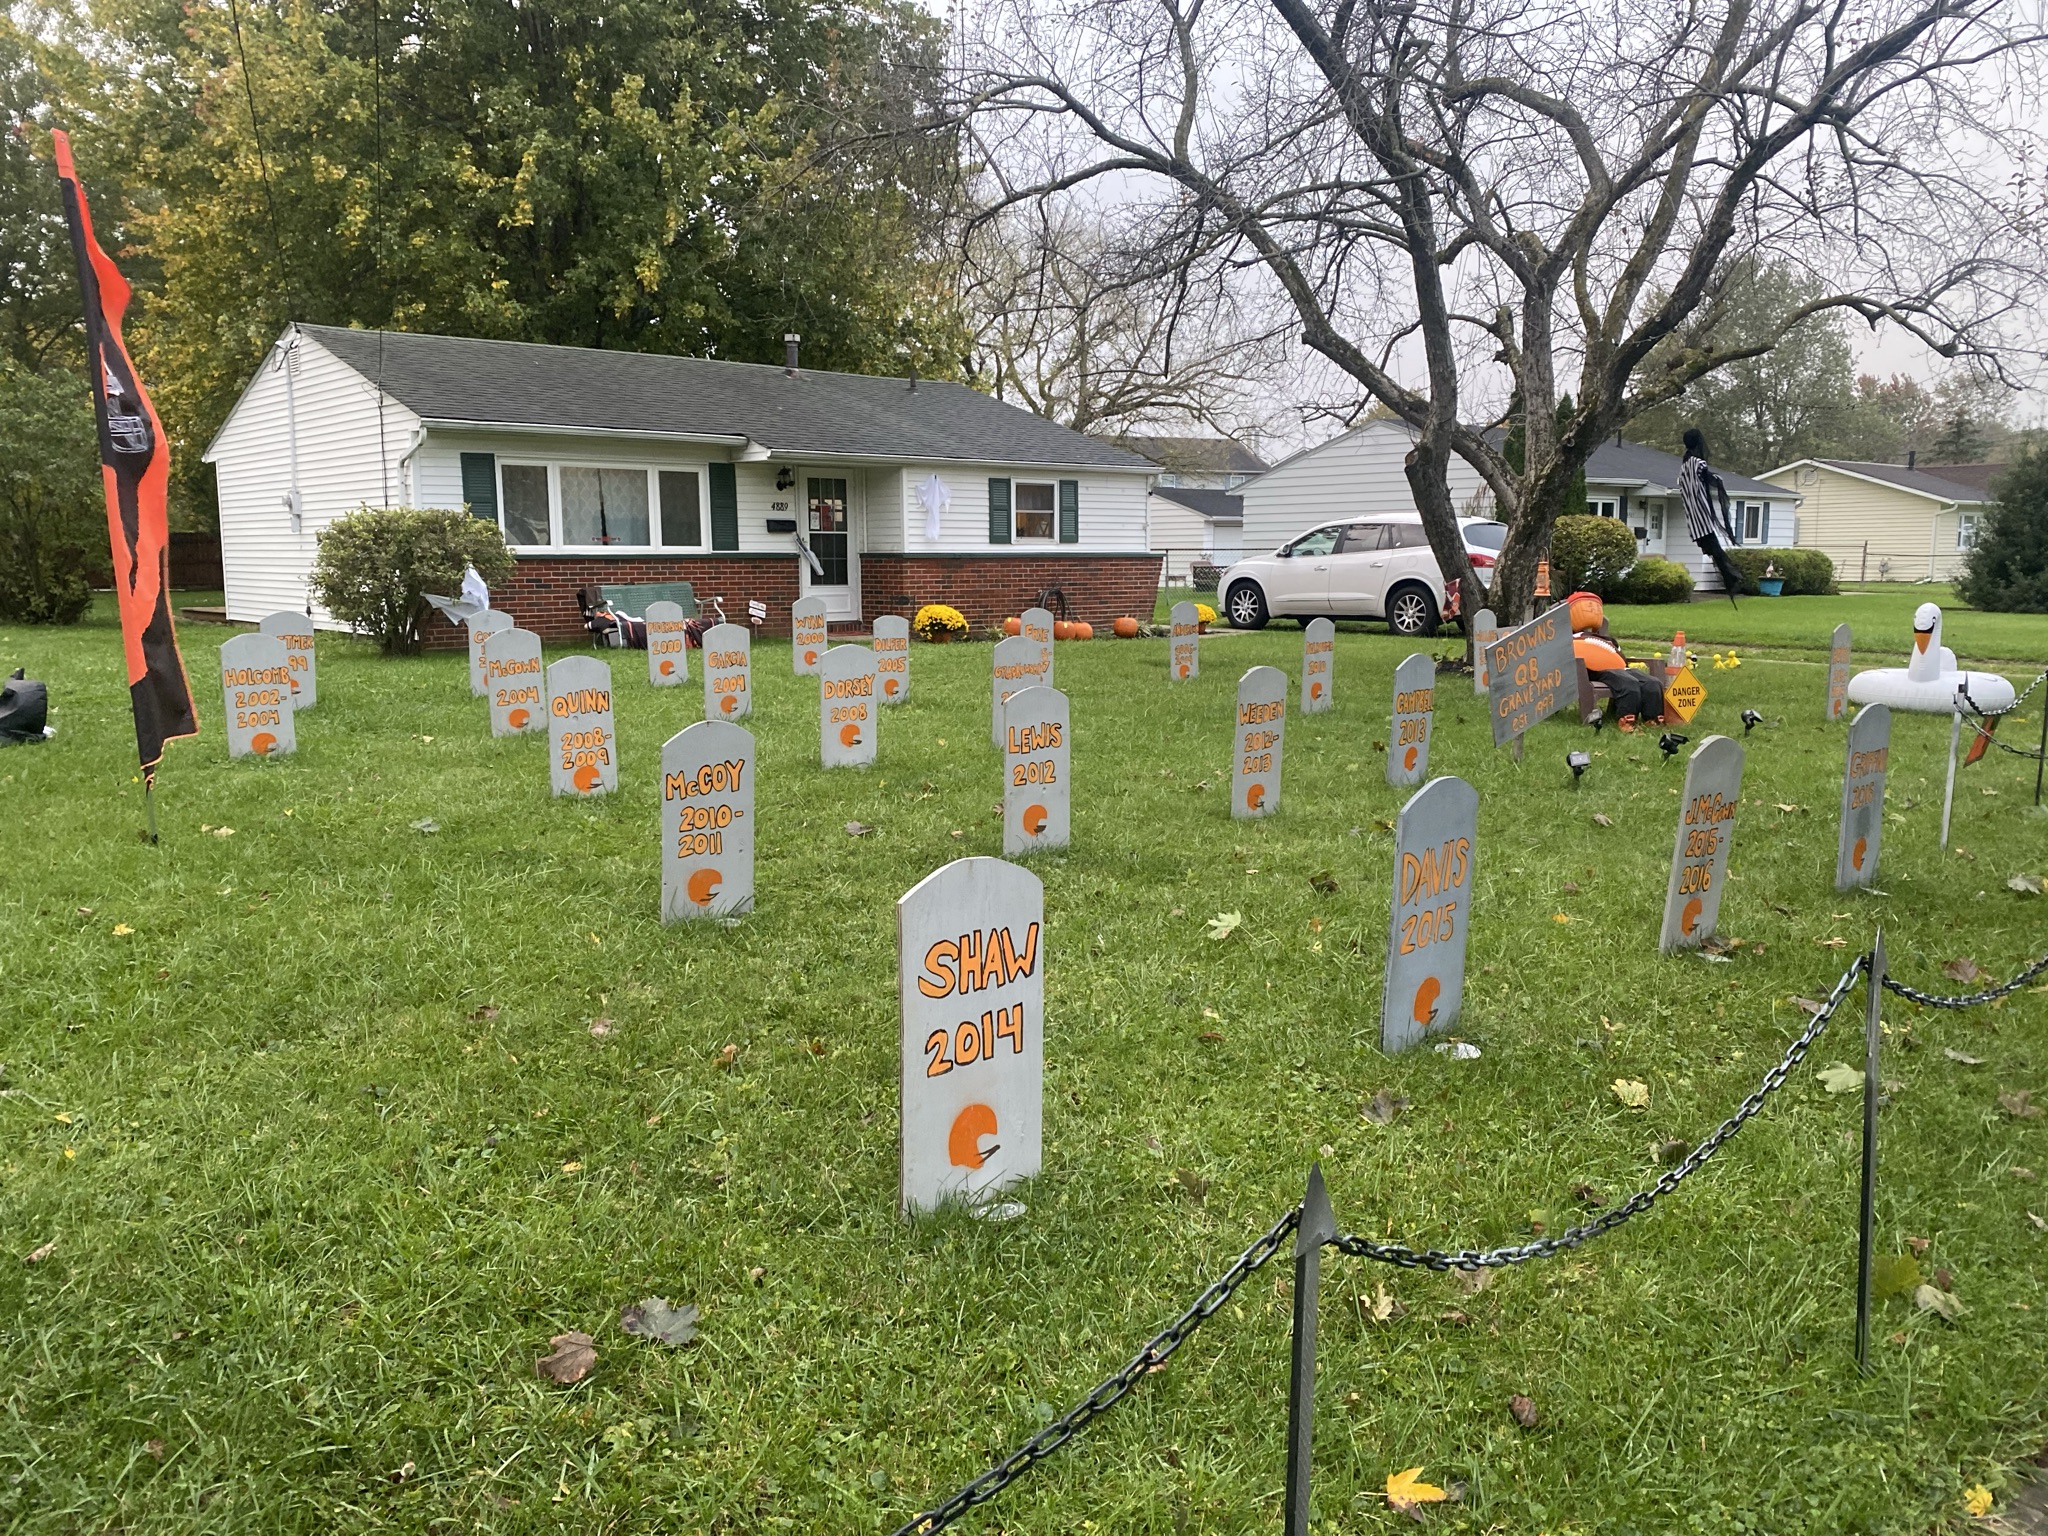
1192,527
631,467
1890,522
1197,463
1359,473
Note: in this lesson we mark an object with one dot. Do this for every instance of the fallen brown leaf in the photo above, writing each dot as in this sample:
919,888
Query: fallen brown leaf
1963,968
155,1448
725,1059
1473,1281
1383,1107
1523,1410
1920,1245
573,1358
1600,819
599,1028
2018,1102
1214,1037
42,1253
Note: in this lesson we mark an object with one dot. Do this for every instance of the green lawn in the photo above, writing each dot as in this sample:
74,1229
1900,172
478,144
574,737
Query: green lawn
316,1122
1879,617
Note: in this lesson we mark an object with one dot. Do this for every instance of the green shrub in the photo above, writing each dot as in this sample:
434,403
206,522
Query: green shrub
373,566
53,529
1806,572
1657,580
1590,554
2007,570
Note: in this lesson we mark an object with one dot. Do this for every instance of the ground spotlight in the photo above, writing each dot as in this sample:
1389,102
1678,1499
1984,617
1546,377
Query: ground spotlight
1671,741
1578,762
1750,721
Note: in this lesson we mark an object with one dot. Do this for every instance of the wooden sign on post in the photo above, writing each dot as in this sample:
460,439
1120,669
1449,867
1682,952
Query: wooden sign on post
846,707
583,751
1434,841
1184,645
256,689
1706,833
1261,722
807,635
1318,652
1870,742
1526,673
1019,662
1037,796
296,631
668,646
728,666
1485,630
1414,712
1036,624
970,965
707,822
1838,672
489,621
892,657
513,680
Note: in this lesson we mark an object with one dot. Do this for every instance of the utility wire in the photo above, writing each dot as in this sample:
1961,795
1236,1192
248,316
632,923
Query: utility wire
262,162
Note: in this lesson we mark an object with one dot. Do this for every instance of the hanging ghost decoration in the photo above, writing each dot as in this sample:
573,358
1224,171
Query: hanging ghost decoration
933,496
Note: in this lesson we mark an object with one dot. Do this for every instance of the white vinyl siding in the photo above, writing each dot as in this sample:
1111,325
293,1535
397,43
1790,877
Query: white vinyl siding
265,561
1356,475
1112,510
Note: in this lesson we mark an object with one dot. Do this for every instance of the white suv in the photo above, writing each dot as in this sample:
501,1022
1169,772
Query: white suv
1360,568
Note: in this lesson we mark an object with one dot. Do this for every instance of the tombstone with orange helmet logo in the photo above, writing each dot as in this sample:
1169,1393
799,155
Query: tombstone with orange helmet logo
1318,650
668,645
1434,840
892,657
1706,833
728,672
807,635
583,747
1414,710
1037,798
970,963
1261,722
513,678
1870,743
707,822
846,707
256,687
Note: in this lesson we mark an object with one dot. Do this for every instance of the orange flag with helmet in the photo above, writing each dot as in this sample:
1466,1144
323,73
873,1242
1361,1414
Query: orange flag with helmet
135,466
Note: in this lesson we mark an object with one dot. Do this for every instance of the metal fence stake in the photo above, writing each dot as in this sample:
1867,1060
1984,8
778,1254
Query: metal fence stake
1318,1226
1873,991
2041,758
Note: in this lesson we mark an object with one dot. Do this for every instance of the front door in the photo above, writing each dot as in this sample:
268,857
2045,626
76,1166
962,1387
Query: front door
827,529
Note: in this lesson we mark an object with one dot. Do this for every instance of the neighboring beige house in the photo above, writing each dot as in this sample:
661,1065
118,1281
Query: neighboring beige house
1889,522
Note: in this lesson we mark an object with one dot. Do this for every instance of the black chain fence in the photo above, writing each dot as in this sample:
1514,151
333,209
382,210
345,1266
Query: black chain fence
2032,754
1161,1345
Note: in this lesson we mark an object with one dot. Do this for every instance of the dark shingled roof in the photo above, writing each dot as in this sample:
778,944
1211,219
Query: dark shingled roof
511,383
1215,505
1948,482
1624,462
1197,455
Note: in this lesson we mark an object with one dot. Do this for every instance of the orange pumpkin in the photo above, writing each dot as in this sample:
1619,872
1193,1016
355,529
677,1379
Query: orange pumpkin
1012,626
1126,628
1587,612
1063,629
1083,630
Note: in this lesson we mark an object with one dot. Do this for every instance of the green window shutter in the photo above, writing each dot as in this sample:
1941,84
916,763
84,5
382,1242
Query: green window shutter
1070,511
480,485
998,511
725,508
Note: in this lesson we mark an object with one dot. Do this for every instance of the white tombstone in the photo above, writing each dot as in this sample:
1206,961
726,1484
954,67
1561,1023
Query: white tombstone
1037,788
1019,662
728,672
1485,630
256,690
1435,837
1184,644
1838,671
1036,624
1414,714
1870,742
807,635
487,622
1318,652
970,963
583,749
296,631
846,707
1261,722
707,822
668,645
514,682
892,657
1531,674
1706,833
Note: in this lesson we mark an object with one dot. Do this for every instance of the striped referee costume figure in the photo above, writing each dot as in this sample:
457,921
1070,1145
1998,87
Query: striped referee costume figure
1707,516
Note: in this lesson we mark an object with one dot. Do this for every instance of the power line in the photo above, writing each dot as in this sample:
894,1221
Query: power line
262,162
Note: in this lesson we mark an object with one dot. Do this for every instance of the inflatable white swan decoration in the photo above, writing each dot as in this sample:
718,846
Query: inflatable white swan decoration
1930,678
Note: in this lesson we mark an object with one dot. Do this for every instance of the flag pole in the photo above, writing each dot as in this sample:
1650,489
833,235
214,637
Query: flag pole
149,805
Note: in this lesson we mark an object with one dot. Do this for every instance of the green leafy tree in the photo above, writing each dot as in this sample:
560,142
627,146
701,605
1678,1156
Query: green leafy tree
633,175
53,532
374,568
2007,569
